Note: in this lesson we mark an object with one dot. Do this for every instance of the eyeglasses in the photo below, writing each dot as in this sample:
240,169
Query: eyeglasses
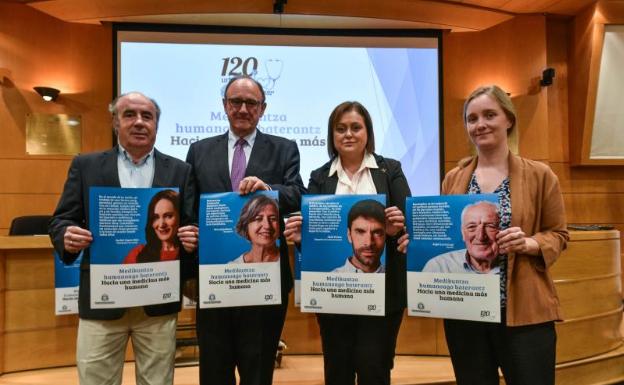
237,103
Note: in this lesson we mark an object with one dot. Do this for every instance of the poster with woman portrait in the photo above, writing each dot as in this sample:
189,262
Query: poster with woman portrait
239,257
135,250
343,239
453,261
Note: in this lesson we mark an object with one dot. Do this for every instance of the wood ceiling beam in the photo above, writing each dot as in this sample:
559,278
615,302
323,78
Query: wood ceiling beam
438,14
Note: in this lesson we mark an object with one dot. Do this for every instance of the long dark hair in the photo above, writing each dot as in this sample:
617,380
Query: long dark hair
153,245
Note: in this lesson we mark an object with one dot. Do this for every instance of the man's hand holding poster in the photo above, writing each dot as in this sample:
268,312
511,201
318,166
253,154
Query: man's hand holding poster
453,262
239,256
135,251
343,254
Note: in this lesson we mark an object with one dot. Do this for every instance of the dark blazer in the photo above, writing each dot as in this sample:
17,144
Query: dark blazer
389,180
273,159
100,169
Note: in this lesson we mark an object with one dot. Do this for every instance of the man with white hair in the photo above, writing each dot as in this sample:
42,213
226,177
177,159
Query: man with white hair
134,162
479,226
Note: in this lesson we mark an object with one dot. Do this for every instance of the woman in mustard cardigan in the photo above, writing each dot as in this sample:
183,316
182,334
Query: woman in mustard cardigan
533,234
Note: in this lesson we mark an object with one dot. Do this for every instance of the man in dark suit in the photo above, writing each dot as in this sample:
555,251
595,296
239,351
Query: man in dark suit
245,337
103,333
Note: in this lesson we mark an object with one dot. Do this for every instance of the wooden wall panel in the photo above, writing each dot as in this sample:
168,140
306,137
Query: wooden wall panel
557,57
29,269
580,53
498,56
18,204
591,296
39,348
592,180
590,259
39,303
419,335
594,208
586,38
39,50
38,176
588,336
606,369
592,195
43,349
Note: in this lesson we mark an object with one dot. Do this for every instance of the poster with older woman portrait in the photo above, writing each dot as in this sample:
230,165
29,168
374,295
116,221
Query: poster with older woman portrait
343,239
453,261
239,258
135,250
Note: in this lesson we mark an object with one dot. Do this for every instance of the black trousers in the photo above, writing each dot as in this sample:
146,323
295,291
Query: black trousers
241,337
525,354
358,345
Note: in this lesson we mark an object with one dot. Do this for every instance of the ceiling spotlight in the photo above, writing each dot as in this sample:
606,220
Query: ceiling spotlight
47,93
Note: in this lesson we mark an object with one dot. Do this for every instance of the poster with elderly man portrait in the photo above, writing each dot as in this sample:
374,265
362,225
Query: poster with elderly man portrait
453,260
239,256
343,267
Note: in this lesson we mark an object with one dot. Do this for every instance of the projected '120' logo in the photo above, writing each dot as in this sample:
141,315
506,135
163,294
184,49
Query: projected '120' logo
237,66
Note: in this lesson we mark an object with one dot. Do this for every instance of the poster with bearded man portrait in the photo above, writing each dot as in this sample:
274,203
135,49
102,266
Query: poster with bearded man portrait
343,241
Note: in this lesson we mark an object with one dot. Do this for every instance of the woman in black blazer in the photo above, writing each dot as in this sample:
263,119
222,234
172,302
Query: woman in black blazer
357,345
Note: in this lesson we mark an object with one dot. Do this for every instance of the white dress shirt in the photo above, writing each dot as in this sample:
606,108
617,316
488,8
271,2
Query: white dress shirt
232,139
360,183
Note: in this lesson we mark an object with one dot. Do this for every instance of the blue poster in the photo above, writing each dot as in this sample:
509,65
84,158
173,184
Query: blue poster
297,269
66,282
135,250
453,264
343,241
239,258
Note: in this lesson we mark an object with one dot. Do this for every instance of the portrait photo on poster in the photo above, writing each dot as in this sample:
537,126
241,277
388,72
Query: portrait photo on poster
239,249
366,232
343,254
161,230
479,227
453,258
258,223
135,250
